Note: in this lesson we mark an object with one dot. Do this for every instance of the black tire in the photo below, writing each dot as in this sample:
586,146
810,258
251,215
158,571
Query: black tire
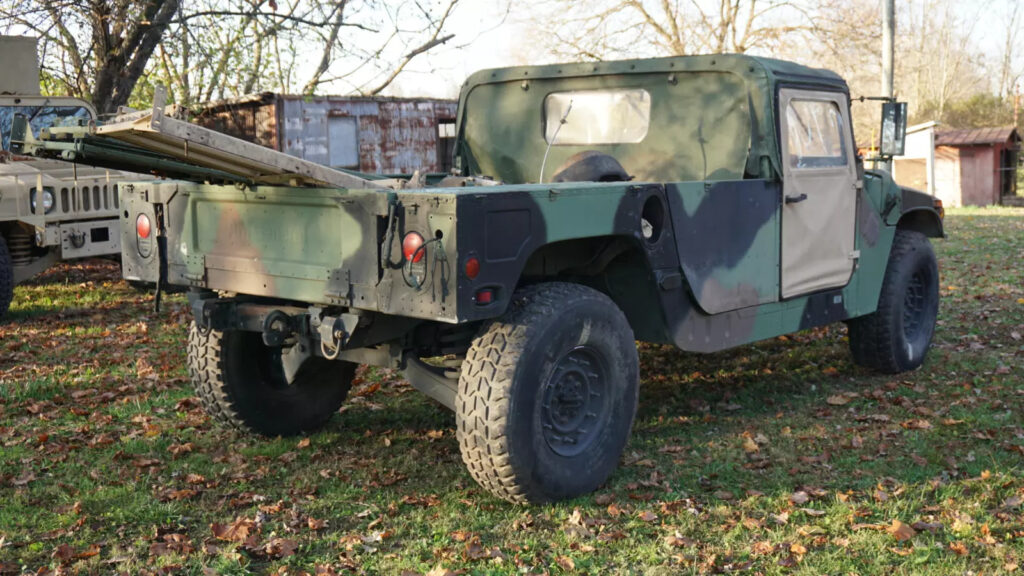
547,395
241,383
6,278
590,166
896,337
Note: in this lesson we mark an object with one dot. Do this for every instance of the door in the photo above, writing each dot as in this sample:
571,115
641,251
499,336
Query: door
819,192
343,142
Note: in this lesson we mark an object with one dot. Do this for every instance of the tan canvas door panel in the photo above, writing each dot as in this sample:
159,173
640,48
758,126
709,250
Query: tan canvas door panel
819,191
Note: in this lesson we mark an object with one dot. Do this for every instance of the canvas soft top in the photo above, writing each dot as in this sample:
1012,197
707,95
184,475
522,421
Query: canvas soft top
754,80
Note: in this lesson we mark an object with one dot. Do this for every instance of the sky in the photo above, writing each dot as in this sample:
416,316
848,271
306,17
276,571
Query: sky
489,36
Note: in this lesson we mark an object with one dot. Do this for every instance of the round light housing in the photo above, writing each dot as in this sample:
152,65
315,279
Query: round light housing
143,227
411,245
48,201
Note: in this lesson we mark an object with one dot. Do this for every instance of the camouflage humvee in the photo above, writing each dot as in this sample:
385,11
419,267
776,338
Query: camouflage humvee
49,209
707,202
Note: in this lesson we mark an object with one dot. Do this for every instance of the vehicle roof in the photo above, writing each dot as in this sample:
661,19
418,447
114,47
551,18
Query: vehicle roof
775,70
760,79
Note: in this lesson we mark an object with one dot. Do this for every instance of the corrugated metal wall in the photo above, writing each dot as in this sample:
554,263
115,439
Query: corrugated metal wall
391,135
253,119
377,135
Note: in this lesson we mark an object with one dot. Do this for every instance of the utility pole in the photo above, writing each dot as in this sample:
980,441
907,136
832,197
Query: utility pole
888,40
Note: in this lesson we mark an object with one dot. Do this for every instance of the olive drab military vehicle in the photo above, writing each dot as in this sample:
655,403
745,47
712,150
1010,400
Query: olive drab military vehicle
49,209
707,202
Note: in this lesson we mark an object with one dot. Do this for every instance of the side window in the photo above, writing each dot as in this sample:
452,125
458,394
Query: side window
815,138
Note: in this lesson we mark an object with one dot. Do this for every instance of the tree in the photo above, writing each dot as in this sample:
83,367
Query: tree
97,50
103,50
606,29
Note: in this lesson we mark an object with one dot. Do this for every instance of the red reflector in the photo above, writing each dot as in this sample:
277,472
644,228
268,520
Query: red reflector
485,296
143,226
411,245
472,268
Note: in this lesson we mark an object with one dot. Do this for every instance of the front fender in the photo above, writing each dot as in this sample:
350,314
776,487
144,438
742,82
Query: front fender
922,213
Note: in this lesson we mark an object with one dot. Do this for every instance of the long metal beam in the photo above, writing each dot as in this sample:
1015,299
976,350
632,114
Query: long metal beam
157,132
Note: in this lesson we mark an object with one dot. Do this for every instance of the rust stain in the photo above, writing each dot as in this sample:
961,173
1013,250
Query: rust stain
395,135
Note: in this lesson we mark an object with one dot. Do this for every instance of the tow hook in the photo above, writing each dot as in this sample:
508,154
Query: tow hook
334,331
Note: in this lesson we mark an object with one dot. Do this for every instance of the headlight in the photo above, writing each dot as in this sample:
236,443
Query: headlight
48,201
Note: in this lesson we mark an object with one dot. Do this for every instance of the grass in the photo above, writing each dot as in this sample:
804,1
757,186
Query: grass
778,458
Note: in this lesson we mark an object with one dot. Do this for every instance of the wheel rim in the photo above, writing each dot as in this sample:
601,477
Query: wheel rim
914,304
575,401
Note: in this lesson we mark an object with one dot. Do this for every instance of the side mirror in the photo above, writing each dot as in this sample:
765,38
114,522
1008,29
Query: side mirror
894,129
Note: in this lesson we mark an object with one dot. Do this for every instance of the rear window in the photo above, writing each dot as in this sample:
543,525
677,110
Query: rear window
616,116
815,136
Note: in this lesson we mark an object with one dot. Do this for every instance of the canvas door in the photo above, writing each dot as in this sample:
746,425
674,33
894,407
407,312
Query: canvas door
819,192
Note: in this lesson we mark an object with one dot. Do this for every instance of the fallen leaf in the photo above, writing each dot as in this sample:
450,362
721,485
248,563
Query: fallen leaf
647,516
677,541
237,531
838,400
901,531
799,497
304,443
277,548
856,527
752,523
177,450
566,563
811,531
92,550
959,548
1013,501
917,424
749,446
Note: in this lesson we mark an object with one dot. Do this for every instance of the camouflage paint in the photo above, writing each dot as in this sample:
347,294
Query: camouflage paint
708,280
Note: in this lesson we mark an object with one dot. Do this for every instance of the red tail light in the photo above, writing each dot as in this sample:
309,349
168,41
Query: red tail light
472,267
143,227
485,296
411,245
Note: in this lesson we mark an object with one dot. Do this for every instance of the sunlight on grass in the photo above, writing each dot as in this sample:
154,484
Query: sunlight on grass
780,457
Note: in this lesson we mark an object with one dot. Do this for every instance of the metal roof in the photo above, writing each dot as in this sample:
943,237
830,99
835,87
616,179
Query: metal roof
976,136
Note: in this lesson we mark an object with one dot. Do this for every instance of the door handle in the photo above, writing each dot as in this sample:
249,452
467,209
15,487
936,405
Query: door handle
795,199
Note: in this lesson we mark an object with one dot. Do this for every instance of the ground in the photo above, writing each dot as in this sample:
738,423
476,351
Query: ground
778,458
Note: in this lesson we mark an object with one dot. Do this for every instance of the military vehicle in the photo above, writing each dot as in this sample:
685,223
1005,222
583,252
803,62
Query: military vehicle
706,202
50,210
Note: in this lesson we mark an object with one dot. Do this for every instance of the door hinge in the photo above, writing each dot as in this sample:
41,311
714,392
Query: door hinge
195,267
338,286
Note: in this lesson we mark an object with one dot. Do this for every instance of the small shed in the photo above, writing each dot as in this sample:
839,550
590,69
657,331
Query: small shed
969,167
370,134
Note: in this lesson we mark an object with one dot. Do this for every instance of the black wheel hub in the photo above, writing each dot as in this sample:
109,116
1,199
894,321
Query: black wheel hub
914,303
575,401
